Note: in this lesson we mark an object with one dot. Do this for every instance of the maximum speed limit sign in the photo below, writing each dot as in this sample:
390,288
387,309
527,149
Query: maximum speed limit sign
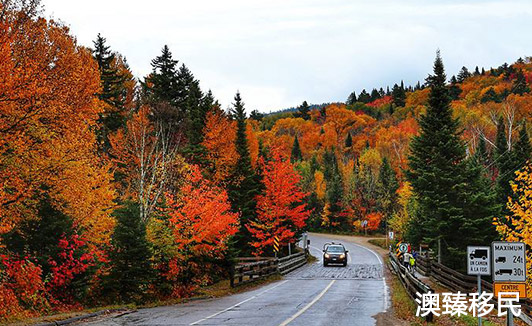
509,261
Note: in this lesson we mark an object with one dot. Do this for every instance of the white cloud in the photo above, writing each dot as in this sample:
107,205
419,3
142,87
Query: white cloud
280,52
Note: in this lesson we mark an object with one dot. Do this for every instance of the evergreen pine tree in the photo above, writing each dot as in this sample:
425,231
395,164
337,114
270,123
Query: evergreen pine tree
490,95
481,152
109,75
160,90
334,193
112,92
130,258
463,75
522,150
161,83
352,99
398,95
296,151
303,111
256,115
454,89
520,85
435,170
364,97
479,207
348,140
245,184
195,106
387,189
375,95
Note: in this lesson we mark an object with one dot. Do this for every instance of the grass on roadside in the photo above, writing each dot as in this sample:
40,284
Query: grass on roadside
403,305
378,242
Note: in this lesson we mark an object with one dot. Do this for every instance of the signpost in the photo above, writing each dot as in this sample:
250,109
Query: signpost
509,263
509,267
478,263
403,247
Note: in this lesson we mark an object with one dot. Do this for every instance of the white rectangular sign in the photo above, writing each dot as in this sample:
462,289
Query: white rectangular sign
478,260
509,261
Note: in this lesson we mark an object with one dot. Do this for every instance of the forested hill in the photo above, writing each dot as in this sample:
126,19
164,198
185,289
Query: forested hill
354,158
379,125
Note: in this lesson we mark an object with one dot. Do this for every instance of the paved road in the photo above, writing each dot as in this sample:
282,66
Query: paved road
311,295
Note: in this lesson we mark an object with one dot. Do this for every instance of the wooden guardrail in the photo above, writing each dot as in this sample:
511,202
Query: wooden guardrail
409,281
457,281
251,269
289,263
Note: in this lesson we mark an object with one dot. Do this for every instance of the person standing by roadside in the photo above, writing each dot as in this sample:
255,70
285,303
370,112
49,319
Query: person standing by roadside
406,260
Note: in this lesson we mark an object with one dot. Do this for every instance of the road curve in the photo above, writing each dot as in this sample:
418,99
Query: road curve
311,295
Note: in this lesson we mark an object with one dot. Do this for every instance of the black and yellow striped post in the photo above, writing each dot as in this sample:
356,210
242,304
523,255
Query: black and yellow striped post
275,245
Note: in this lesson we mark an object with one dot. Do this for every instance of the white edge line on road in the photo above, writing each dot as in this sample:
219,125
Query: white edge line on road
383,279
238,304
373,252
297,314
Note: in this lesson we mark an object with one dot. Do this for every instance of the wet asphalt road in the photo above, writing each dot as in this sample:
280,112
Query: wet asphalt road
311,295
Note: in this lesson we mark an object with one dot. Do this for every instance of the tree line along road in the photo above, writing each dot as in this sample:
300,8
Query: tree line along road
311,295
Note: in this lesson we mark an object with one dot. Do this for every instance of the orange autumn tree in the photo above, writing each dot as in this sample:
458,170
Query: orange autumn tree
48,113
219,141
280,209
201,222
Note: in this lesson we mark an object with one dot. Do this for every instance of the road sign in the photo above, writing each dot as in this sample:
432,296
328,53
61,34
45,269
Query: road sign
509,261
403,247
509,287
390,235
478,260
276,244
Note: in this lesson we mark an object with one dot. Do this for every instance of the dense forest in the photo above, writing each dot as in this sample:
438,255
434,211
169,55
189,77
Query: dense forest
118,189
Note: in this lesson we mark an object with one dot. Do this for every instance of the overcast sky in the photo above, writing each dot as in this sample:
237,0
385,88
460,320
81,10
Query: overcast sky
281,52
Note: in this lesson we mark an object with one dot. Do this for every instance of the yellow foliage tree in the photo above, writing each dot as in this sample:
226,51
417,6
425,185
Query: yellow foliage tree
321,184
399,221
520,227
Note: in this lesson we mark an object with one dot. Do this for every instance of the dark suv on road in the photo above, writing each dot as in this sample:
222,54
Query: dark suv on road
334,253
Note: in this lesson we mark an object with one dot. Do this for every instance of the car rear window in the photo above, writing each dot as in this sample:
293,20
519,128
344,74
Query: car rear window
335,249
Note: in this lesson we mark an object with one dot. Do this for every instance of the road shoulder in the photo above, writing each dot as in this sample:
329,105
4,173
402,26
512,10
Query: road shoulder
384,318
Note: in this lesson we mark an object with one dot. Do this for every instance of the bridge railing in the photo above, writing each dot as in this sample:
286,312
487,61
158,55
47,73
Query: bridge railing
289,263
453,280
409,281
251,269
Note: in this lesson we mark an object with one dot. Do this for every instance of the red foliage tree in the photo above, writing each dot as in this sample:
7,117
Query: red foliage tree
21,287
201,222
73,260
280,209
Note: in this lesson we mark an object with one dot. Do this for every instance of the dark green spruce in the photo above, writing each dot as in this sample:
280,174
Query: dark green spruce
131,270
245,184
447,186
